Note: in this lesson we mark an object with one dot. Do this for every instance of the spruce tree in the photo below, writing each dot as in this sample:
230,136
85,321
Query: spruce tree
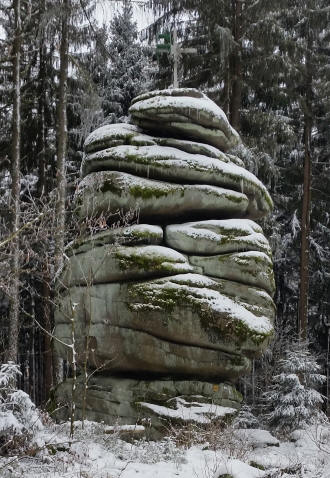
292,400
128,66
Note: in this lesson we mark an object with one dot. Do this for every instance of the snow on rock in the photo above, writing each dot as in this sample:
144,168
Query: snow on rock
189,92
172,164
129,235
180,409
227,314
109,192
184,325
194,147
251,267
111,263
118,134
185,112
217,237
108,135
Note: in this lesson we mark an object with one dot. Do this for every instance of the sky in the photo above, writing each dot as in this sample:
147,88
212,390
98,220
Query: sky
141,13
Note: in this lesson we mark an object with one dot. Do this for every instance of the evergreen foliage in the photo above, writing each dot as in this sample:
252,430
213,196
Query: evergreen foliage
127,74
246,418
18,415
293,400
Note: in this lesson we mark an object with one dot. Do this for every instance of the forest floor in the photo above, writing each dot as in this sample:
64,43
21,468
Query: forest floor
97,451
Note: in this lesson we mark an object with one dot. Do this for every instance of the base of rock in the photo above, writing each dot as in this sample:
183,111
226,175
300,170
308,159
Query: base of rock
121,401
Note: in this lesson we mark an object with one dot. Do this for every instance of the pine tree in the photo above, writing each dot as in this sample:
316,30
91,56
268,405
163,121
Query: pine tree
127,75
246,418
292,400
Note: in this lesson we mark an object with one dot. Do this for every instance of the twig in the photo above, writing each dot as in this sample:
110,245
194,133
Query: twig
25,226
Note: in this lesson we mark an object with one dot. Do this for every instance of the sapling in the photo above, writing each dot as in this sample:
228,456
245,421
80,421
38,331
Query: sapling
293,401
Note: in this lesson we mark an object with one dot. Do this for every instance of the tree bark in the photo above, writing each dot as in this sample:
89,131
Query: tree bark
15,187
41,145
305,232
306,205
47,345
42,190
62,138
235,66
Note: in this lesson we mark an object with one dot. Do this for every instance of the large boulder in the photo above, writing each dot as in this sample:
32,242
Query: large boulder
186,324
186,113
252,268
111,263
217,237
133,235
113,135
157,311
172,164
110,135
120,350
106,192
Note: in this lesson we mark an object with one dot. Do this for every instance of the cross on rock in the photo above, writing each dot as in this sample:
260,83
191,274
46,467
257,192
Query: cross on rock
174,49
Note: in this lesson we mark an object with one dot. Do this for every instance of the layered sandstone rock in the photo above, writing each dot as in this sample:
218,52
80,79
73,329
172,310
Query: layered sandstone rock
167,304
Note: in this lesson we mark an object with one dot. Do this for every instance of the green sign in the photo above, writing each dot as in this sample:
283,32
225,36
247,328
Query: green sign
165,46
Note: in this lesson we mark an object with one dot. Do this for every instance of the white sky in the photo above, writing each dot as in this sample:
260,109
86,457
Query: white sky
141,14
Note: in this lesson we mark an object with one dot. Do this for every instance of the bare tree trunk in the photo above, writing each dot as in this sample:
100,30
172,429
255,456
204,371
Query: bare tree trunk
305,232
306,206
47,378
41,146
235,66
226,102
328,370
62,138
15,188
47,347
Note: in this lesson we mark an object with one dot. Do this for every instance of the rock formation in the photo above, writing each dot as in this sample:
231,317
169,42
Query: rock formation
170,311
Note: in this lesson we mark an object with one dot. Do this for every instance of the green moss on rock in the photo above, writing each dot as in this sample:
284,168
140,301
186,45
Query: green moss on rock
140,261
218,327
147,193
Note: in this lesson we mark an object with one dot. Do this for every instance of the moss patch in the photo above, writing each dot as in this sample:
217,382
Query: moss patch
140,261
108,186
256,465
218,327
147,192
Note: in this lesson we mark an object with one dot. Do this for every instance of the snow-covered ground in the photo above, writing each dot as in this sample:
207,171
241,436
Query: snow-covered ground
98,452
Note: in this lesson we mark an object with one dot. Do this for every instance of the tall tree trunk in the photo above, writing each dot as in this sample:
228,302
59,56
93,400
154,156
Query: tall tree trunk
305,232
15,187
62,138
42,189
47,345
306,205
41,145
235,66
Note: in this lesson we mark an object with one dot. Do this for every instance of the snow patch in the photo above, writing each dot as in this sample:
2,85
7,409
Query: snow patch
189,411
256,437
